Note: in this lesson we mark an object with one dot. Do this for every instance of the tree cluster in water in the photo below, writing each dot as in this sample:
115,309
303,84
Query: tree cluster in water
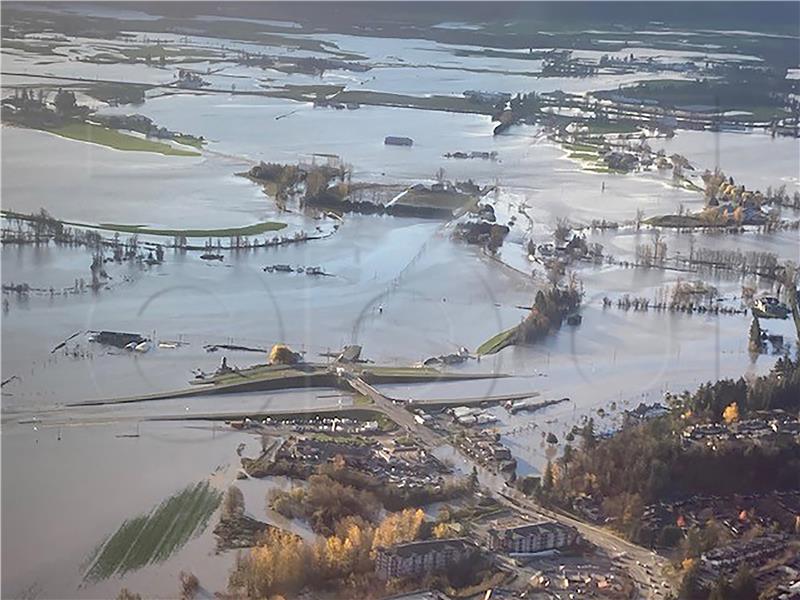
549,310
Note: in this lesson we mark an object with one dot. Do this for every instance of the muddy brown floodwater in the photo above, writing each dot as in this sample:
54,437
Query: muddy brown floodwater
400,287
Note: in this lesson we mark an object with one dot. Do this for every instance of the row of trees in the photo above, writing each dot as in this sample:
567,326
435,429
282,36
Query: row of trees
324,502
337,490
780,389
284,563
647,462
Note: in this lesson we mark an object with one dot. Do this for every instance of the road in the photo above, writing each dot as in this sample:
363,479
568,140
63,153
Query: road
396,412
644,566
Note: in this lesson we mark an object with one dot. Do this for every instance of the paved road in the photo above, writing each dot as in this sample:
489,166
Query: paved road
394,411
644,566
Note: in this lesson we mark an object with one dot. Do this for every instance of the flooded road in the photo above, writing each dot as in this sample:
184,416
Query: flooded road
400,287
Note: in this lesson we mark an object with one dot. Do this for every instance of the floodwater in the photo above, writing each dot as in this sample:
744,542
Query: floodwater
76,485
63,496
736,154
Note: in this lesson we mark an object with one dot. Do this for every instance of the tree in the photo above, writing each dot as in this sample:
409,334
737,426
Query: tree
719,591
189,585
441,530
325,502
279,565
670,536
555,272
281,354
754,344
473,478
562,229
587,435
731,413
398,528
126,594
232,504
690,584
548,478
65,102
346,552
497,234
316,183
743,586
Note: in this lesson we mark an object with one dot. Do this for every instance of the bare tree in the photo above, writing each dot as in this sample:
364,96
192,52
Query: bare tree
562,229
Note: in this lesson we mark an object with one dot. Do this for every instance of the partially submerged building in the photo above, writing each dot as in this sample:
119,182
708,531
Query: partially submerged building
117,339
393,140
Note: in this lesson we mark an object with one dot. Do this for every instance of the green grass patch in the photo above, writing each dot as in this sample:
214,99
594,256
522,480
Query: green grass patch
154,537
754,94
583,147
267,373
189,140
305,93
323,90
378,375
428,198
497,342
385,423
401,371
34,47
96,134
678,221
361,400
597,128
254,229
445,103
762,113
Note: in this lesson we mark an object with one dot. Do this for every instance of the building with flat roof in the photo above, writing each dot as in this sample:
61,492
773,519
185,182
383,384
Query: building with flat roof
529,538
418,558
396,140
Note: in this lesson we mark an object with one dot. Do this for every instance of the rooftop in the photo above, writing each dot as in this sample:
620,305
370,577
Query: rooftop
424,546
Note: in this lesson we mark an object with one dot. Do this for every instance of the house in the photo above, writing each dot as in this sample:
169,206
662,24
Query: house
529,538
769,307
753,552
413,559
118,339
392,140
350,354
189,80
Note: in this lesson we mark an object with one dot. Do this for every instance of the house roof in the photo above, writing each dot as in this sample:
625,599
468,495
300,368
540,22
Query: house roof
528,528
425,546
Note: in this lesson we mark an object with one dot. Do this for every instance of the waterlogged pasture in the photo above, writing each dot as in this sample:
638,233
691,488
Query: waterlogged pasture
154,537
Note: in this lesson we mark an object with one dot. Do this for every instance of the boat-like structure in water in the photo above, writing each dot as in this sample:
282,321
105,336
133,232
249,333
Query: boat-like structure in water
769,307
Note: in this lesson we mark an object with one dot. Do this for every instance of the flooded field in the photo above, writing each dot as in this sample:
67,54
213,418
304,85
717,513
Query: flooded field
401,287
